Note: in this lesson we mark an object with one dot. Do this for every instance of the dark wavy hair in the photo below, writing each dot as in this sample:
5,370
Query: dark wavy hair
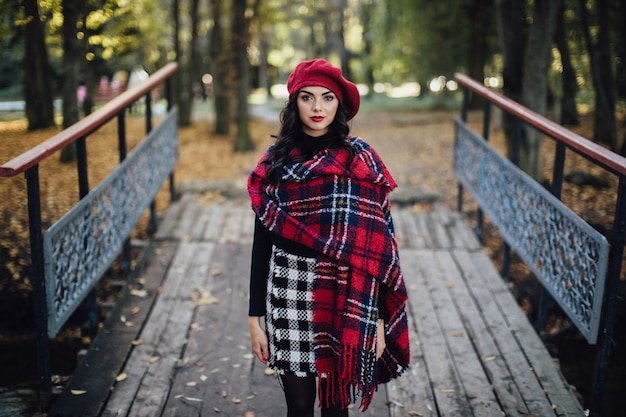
291,129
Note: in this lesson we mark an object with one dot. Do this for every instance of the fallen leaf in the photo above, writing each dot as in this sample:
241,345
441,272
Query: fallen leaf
121,377
217,410
249,414
193,399
134,310
447,390
191,384
78,392
448,284
457,334
214,371
139,293
251,396
154,359
415,413
137,342
235,400
396,403
491,358
203,378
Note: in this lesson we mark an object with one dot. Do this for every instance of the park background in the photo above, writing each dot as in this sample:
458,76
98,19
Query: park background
61,59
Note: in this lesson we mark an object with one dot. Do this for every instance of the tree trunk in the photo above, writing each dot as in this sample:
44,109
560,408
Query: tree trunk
569,112
72,60
621,66
180,79
240,42
38,91
341,42
367,11
91,82
620,49
511,18
478,44
220,62
604,127
195,57
186,60
535,81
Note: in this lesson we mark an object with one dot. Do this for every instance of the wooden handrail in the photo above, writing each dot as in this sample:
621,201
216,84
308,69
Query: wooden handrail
610,160
85,126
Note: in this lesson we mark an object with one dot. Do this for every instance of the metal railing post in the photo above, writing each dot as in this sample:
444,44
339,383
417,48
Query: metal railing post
39,285
464,109
152,224
90,304
609,304
170,104
121,144
479,212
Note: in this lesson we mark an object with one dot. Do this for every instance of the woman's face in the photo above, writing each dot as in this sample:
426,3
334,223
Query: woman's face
317,107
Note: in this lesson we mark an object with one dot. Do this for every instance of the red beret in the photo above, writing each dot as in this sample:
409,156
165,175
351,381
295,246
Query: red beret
319,72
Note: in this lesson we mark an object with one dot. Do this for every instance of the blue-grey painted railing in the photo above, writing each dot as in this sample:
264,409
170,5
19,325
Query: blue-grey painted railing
578,266
79,248
70,257
564,252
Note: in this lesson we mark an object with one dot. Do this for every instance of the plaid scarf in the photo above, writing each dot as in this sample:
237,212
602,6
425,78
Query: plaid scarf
342,212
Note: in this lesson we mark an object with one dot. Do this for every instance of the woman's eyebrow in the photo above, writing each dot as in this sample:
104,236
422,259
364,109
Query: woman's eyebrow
308,92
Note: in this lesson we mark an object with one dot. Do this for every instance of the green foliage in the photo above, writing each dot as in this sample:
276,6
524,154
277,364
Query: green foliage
399,40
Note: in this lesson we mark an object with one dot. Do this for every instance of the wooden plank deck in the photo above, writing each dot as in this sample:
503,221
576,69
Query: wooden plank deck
178,339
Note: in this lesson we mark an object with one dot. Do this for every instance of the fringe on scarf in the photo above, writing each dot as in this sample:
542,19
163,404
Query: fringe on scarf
347,385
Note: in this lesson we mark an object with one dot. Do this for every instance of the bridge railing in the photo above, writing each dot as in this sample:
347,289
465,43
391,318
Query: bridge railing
578,266
69,258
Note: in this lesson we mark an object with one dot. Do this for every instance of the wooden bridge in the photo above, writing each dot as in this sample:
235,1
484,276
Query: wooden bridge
177,344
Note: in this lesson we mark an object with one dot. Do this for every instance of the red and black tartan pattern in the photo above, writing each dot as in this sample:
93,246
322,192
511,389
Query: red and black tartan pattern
343,213
289,318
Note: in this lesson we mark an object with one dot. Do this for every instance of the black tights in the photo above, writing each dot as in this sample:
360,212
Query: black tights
300,394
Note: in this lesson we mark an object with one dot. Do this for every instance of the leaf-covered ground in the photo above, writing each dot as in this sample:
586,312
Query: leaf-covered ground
416,145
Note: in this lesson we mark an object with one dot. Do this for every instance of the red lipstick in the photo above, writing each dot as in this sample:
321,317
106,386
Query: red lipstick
317,118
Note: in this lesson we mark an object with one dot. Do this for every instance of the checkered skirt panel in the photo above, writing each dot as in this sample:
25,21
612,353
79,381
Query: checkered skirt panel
289,318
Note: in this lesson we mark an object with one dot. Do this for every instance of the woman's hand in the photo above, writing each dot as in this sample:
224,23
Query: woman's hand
380,339
258,339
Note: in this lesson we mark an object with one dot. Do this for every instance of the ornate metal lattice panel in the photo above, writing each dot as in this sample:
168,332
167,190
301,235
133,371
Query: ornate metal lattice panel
566,254
80,247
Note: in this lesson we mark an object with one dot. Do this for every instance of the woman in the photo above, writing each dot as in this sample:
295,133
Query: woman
325,270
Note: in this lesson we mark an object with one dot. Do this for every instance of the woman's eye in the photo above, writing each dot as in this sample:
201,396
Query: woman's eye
329,98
